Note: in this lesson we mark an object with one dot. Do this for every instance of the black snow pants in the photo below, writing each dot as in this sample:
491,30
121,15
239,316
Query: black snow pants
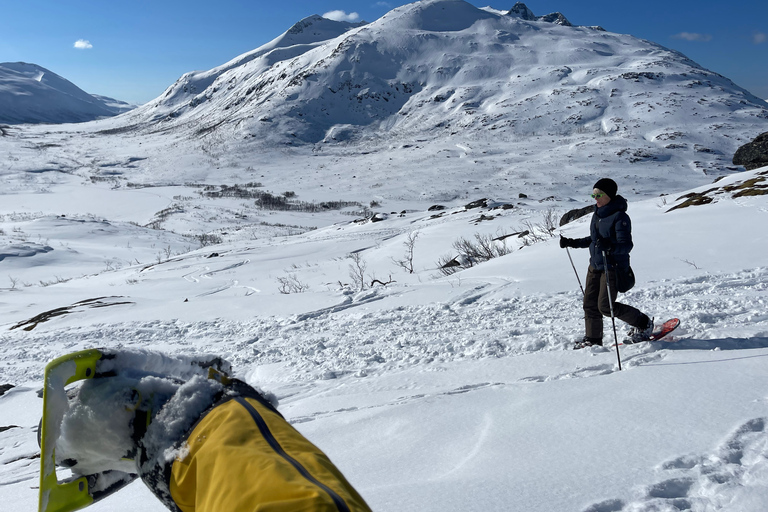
596,305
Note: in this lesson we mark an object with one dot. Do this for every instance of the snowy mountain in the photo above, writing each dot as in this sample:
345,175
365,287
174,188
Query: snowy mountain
190,227
193,88
437,67
32,94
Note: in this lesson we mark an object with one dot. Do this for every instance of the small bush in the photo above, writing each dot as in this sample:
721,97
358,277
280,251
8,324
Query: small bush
291,284
472,252
207,239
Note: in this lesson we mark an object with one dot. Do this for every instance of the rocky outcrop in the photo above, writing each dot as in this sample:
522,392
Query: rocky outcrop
556,18
754,154
520,10
576,214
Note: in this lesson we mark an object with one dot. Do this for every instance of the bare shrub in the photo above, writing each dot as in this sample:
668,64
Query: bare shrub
472,252
207,239
291,284
407,262
542,230
357,270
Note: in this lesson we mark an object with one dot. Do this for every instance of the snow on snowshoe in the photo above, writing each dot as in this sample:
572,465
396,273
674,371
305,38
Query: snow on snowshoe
92,427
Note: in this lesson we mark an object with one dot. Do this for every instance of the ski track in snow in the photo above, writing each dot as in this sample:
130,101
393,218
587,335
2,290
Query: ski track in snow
342,340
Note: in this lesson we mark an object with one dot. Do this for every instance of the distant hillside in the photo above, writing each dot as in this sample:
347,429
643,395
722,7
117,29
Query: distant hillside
440,67
32,94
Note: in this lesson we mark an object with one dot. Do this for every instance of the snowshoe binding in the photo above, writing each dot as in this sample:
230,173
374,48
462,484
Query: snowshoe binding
639,335
652,333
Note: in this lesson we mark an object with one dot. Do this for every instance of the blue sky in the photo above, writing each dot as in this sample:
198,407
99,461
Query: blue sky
132,50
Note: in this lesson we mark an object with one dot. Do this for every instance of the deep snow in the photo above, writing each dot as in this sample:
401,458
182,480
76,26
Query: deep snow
434,392
431,392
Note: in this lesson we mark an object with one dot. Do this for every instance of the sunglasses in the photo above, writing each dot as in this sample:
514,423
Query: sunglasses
597,196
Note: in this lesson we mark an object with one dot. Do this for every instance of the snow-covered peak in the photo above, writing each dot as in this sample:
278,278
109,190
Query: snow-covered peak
34,73
317,28
301,37
33,94
440,67
432,16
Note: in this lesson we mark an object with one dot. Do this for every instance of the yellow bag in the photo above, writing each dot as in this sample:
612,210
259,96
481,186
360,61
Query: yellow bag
244,456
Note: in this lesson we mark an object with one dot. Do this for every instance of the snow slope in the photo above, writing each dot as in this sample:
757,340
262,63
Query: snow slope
431,392
436,393
32,94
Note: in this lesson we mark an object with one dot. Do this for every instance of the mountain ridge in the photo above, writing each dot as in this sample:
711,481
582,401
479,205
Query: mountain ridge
30,93
444,65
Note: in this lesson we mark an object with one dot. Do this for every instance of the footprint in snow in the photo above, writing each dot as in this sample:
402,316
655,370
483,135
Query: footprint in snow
732,474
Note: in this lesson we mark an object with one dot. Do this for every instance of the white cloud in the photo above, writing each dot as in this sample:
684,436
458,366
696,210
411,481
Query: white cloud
693,36
759,37
82,44
341,16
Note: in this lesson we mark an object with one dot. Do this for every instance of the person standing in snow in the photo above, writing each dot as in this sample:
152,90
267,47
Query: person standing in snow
610,234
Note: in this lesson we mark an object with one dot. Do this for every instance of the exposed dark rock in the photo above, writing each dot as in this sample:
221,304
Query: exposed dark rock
99,302
693,199
520,10
480,203
451,263
4,388
483,217
518,234
576,214
436,208
644,74
754,154
378,217
556,18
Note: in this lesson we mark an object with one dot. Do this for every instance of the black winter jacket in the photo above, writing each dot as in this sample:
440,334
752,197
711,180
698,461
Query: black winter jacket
612,222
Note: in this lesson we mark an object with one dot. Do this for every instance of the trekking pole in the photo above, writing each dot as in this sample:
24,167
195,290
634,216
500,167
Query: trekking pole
575,271
610,303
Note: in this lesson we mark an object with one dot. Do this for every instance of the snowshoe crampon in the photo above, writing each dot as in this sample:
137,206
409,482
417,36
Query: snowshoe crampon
77,492
123,388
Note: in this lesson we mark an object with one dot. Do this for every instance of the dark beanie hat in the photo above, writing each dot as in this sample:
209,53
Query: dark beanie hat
608,186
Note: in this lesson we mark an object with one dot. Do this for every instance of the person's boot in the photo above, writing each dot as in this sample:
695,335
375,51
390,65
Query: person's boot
640,334
587,342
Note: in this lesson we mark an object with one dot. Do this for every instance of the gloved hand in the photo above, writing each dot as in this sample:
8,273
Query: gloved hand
604,245
567,242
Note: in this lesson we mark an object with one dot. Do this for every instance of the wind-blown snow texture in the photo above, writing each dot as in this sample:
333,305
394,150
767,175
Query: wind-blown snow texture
431,392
